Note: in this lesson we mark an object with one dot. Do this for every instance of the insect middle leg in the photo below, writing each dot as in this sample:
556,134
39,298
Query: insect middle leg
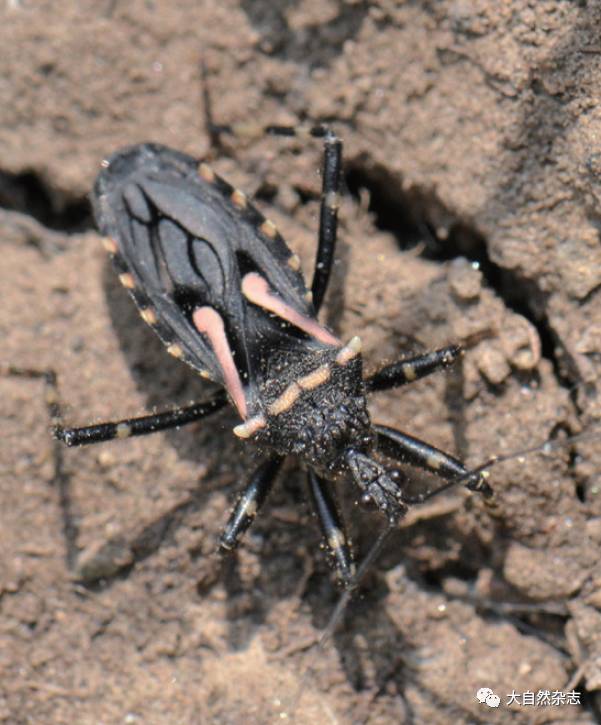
411,369
51,387
250,501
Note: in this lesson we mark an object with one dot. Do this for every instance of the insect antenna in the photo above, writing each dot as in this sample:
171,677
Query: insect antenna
341,606
547,447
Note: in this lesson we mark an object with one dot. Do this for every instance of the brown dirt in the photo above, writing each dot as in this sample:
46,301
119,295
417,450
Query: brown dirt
472,135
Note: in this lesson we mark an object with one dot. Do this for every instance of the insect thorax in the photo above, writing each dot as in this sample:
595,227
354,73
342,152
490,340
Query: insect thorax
314,407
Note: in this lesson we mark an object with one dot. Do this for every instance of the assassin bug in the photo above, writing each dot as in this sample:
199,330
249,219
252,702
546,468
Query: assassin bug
215,280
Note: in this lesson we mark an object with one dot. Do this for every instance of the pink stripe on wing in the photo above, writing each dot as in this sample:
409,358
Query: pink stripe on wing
256,290
208,321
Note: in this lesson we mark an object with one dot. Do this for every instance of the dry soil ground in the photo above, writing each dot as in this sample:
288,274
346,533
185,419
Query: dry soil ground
473,166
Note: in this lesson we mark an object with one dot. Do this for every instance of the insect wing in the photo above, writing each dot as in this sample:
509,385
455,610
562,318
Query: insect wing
183,244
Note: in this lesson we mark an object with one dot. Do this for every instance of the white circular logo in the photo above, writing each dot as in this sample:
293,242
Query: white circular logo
483,693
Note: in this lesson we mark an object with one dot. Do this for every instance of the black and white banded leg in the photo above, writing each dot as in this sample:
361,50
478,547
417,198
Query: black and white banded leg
407,449
328,214
412,369
250,502
332,526
143,425
330,191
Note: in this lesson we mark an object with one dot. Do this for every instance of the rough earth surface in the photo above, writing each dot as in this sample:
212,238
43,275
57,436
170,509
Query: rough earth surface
472,138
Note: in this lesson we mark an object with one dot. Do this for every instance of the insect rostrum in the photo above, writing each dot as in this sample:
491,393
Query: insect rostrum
218,284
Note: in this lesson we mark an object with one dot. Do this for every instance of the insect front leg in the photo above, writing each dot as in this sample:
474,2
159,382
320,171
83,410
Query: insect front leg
407,449
332,526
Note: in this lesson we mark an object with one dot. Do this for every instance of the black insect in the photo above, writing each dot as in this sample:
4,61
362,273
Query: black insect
216,281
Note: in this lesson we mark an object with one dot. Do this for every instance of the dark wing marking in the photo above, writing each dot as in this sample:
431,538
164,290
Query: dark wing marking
187,241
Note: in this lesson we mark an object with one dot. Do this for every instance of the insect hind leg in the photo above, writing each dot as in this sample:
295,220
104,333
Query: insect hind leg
331,170
143,425
60,478
330,191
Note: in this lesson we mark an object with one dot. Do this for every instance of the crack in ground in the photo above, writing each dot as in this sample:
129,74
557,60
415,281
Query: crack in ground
412,216
409,214
29,194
